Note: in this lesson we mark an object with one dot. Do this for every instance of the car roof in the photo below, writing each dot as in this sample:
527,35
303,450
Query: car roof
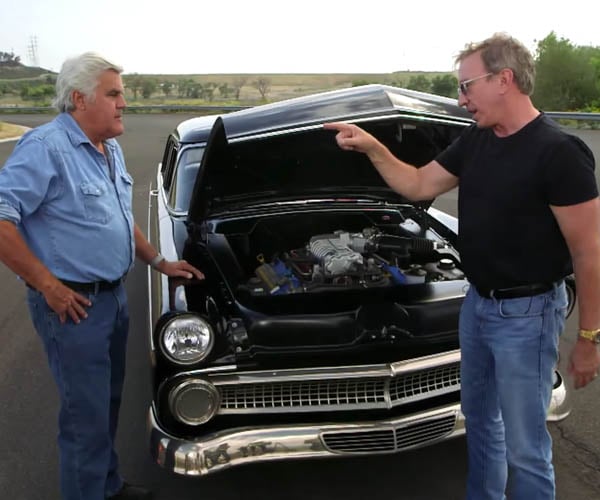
351,103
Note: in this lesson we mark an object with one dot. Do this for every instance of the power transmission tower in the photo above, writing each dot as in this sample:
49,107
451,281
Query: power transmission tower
32,51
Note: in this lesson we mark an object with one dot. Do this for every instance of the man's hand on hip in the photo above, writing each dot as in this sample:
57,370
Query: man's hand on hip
66,302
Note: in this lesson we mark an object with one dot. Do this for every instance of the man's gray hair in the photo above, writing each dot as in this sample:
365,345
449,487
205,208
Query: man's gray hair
80,73
502,51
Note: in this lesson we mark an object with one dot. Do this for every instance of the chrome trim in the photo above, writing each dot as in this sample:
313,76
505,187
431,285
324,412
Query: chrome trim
289,207
225,449
342,394
335,372
148,268
560,403
191,385
425,362
171,211
326,389
228,448
183,316
397,115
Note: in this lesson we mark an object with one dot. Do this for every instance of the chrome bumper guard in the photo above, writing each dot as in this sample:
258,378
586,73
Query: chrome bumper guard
222,450
218,451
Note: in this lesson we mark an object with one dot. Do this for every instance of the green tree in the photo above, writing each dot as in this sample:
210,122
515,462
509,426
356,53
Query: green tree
419,82
208,91
37,93
167,88
134,83
9,59
182,87
148,87
263,85
595,62
444,85
224,90
567,75
238,83
194,90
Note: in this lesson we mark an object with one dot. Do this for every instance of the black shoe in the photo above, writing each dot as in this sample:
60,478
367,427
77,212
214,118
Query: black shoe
130,492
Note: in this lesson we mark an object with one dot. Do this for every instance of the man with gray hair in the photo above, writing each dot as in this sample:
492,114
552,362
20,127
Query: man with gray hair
529,215
67,230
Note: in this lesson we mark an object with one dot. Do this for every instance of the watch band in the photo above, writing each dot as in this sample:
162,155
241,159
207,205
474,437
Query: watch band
156,261
593,335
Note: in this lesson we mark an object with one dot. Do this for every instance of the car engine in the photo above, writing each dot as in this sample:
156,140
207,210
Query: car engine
344,260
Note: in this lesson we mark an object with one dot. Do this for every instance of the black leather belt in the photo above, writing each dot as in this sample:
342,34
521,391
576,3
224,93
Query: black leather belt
89,287
514,292
93,286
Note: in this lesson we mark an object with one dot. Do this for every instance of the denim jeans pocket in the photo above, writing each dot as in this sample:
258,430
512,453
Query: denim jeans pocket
42,316
522,307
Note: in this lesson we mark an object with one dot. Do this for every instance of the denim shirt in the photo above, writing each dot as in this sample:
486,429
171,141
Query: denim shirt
71,203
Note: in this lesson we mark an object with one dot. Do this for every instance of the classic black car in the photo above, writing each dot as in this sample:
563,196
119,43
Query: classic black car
327,322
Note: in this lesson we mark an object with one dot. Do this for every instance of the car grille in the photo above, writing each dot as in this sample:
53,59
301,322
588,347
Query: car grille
338,394
391,440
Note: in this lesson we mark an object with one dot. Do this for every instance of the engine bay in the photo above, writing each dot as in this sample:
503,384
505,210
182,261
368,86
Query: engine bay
370,258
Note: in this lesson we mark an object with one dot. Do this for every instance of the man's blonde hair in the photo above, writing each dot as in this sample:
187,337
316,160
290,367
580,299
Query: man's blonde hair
502,51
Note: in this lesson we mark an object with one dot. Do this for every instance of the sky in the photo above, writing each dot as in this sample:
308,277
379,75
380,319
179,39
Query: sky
269,36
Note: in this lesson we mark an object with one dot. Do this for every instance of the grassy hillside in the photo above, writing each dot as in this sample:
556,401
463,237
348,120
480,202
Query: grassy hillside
22,72
281,86
288,85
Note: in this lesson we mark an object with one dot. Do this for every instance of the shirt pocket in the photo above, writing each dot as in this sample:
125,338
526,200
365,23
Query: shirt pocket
97,203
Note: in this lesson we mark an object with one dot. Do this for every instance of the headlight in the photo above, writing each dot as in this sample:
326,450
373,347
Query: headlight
194,401
186,339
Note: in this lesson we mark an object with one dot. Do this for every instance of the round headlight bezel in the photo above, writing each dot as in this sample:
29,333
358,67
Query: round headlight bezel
169,329
181,389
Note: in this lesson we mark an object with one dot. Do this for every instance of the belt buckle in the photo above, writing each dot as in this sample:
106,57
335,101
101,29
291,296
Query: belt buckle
96,287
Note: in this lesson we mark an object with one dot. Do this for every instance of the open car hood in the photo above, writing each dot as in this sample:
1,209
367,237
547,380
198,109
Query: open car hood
281,153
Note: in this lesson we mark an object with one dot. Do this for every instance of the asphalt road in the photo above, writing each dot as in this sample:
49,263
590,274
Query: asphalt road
29,405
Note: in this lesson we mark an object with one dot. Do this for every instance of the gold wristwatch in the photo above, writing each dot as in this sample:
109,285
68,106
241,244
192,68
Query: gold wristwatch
593,335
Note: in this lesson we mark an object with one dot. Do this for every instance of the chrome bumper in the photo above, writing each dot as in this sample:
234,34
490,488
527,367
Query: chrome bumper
222,450
217,451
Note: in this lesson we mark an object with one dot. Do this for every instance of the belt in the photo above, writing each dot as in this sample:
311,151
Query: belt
515,291
90,287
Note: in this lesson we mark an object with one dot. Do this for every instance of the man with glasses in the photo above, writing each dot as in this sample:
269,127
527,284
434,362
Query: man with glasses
529,215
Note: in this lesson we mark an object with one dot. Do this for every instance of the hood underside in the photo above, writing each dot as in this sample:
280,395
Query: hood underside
306,163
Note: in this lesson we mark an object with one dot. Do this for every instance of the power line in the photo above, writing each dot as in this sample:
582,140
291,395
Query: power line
32,51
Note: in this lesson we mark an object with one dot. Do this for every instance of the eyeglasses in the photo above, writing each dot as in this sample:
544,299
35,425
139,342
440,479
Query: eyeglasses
463,87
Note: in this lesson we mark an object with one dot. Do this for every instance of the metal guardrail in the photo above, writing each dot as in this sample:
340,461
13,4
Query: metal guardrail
563,115
155,107
190,108
567,115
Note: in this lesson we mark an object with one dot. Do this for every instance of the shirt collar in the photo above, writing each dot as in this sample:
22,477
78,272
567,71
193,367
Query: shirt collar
75,133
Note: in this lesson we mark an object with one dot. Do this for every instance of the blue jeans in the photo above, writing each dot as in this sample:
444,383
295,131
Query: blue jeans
509,351
88,364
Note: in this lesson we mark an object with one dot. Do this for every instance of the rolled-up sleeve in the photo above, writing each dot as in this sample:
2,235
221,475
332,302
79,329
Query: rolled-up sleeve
25,179
9,213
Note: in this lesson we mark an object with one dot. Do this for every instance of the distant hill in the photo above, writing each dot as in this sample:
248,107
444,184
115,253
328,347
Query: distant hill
19,71
230,88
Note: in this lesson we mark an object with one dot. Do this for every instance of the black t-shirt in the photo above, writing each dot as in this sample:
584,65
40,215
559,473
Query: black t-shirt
508,235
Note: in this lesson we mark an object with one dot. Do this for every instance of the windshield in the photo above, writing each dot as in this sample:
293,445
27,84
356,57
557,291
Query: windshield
186,170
